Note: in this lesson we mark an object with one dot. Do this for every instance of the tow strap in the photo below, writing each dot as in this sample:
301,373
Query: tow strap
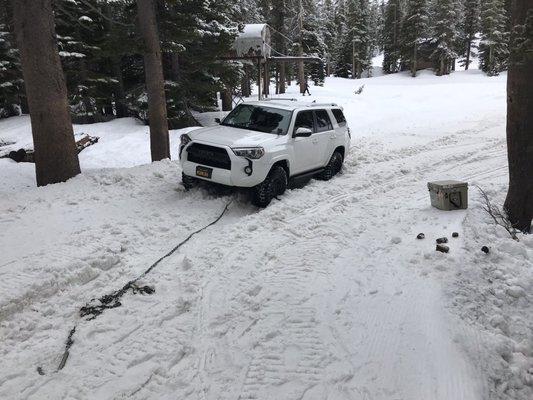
95,307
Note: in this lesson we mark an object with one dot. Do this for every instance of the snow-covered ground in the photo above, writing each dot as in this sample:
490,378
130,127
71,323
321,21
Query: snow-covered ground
326,294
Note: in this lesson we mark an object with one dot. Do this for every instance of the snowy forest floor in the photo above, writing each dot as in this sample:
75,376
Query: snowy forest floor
326,294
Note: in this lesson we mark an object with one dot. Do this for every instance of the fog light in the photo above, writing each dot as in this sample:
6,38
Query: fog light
248,170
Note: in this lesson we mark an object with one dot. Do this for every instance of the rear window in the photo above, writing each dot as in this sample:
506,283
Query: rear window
323,122
339,116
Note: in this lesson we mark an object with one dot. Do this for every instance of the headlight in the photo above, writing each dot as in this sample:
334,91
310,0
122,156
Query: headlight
249,152
185,139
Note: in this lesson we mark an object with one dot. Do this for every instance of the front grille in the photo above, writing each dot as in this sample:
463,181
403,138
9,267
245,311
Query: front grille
208,155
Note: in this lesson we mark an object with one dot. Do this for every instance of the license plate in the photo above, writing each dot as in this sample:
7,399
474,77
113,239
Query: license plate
204,172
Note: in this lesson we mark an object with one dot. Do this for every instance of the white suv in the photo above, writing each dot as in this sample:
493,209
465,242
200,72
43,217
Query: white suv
263,144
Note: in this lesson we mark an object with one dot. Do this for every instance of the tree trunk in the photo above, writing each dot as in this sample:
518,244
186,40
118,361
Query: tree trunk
282,77
227,99
468,51
155,84
441,67
119,92
266,79
301,72
175,66
276,79
413,62
56,159
245,82
519,201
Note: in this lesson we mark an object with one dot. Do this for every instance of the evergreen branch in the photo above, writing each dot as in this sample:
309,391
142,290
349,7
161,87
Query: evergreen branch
101,14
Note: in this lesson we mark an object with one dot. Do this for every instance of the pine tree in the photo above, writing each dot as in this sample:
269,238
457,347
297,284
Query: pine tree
329,32
391,37
279,41
375,28
80,31
155,83
194,37
446,34
247,12
56,159
308,40
342,52
519,201
415,30
11,82
493,48
470,27
358,21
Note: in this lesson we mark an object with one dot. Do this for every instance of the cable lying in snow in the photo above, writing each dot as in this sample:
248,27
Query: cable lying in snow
96,307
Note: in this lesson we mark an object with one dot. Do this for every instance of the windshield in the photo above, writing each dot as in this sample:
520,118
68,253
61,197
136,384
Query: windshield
259,118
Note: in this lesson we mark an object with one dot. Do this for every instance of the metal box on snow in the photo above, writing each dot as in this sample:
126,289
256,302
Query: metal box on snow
449,195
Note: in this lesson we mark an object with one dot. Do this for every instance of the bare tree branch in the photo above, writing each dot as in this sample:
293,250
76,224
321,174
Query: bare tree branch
499,217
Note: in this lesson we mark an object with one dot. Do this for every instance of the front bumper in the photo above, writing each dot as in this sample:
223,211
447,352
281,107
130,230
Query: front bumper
236,176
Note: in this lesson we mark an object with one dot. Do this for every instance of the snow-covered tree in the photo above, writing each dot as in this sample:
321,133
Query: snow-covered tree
469,29
354,46
375,29
80,31
342,50
391,37
415,30
329,30
11,83
494,46
447,16
307,33
195,36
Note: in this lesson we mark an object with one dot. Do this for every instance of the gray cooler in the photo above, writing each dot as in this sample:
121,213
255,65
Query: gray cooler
449,195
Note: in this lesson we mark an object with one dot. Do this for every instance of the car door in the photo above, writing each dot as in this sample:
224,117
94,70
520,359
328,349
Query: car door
305,148
324,137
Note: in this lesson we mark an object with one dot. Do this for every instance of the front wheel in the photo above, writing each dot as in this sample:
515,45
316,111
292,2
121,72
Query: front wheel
275,184
188,181
333,168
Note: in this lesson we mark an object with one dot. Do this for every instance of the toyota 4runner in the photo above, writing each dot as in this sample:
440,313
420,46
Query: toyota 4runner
262,144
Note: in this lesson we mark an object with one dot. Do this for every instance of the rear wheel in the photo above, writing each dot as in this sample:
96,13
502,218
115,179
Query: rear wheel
274,185
333,168
188,181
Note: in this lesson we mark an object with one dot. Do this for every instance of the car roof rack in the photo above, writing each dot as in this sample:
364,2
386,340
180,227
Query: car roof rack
280,98
322,105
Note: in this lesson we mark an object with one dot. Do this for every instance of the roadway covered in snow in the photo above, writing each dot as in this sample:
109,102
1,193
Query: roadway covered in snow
326,294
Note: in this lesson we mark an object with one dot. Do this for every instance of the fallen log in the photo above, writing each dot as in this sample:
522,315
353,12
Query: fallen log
27,155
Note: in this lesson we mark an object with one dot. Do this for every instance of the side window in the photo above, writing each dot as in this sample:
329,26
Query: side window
304,119
323,123
339,116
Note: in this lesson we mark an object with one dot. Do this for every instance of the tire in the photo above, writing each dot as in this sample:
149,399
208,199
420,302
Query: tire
274,185
188,181
333,167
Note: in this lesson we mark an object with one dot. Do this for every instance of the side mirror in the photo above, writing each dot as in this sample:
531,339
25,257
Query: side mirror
217,120
302,132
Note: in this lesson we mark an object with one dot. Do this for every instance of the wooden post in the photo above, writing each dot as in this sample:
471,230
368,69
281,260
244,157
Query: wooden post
266,84
282,77
259,77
